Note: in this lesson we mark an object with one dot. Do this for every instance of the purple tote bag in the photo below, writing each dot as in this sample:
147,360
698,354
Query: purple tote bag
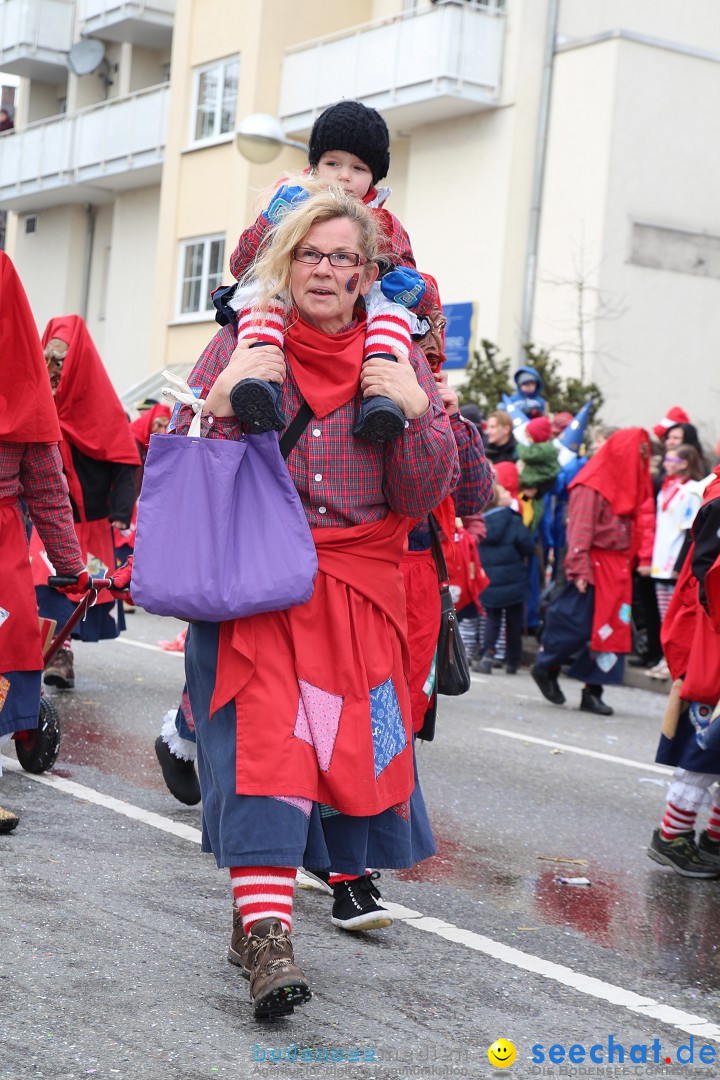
221,532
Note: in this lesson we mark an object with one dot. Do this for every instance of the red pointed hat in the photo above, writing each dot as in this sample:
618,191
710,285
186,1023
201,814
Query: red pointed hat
27,409
674,416
90,412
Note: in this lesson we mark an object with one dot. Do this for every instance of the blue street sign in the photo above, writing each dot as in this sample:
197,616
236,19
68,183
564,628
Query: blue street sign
459,334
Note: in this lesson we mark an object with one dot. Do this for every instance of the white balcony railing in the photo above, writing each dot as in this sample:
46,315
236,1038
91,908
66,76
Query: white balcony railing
35,36
116,145
142,22
422,66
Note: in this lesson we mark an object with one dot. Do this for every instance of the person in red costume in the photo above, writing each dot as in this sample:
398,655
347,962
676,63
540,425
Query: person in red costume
691,642
588,624
31,468
302,717
100,459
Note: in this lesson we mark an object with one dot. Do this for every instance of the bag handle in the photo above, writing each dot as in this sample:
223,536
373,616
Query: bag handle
438,553
180,391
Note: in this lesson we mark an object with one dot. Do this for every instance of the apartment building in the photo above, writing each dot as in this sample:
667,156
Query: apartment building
552,161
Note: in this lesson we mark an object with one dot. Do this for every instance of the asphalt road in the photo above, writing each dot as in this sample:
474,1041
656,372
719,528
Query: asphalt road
113,930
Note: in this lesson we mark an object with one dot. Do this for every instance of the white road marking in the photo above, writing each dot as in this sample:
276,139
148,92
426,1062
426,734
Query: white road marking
153,648
565,976
664,769
79,791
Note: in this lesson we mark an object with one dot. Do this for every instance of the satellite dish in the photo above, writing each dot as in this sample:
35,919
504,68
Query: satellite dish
85,56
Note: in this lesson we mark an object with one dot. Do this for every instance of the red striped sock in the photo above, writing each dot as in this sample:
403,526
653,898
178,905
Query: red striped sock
713,825
388,329
267,326
677,821
263,892
335,879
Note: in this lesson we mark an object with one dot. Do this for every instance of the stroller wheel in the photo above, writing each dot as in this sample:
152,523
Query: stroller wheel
37,750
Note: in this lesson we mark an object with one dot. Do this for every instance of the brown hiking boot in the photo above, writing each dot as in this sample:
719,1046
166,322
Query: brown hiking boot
276,984
61,672
239,945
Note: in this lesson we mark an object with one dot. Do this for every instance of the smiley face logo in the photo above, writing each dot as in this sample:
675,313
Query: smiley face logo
501,1054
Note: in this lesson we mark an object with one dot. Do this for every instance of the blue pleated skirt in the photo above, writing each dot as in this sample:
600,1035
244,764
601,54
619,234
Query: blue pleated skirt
255,830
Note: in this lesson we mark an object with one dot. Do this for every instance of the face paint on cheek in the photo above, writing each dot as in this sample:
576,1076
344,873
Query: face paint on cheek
352,283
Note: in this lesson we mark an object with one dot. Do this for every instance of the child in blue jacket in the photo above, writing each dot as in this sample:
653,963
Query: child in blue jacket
527,397
503,554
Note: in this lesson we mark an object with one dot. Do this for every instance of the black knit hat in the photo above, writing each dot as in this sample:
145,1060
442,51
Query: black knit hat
353,127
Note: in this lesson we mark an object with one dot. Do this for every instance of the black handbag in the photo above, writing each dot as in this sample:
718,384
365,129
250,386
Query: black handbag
452,671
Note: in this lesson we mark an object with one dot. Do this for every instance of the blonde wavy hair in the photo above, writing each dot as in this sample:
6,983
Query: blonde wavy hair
270,272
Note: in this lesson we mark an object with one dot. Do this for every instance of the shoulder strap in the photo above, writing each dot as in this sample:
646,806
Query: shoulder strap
295,428
438,553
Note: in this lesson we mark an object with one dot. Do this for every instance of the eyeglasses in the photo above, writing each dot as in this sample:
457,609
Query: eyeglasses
341,260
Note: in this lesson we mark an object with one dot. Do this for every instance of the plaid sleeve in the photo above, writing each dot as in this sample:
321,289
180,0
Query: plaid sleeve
422,467
45,491
248,247
474,490
402,254
582,511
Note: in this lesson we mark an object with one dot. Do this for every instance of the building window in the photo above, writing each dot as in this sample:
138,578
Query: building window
201,266
215,99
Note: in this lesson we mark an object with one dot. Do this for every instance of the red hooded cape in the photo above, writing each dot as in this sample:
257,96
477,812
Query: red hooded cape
91,415
142,427
27,410
618,471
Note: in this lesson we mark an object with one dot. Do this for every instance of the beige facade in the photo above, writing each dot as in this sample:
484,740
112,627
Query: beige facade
621,279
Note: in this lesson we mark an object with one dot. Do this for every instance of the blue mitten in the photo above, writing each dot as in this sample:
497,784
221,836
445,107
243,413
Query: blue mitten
286,198
403,285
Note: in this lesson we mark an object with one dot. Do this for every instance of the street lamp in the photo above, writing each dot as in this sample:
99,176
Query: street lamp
260,138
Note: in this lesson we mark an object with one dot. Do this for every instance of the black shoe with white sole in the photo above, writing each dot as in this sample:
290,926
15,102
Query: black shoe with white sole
356,905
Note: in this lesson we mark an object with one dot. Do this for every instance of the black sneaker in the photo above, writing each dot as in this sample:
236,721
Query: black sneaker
547,684
593,703
709,849
483,664
682,855
316,879
257,403
356,906
511,669
178,774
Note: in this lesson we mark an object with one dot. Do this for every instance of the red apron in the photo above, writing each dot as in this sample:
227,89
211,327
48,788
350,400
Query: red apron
321,695
20,647
613,601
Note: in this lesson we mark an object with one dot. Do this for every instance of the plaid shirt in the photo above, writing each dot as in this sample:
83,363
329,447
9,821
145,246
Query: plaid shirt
592,524
34,471
475,488
343,481
394,242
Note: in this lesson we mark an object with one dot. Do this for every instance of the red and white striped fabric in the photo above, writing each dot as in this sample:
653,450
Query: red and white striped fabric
677,821
267,326
713,825
388,326
263,892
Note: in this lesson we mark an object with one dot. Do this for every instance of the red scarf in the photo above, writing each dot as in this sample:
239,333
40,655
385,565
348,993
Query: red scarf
326,366
27,409
618,472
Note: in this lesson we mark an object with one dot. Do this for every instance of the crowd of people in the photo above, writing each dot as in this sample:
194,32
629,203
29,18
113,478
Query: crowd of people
297,727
